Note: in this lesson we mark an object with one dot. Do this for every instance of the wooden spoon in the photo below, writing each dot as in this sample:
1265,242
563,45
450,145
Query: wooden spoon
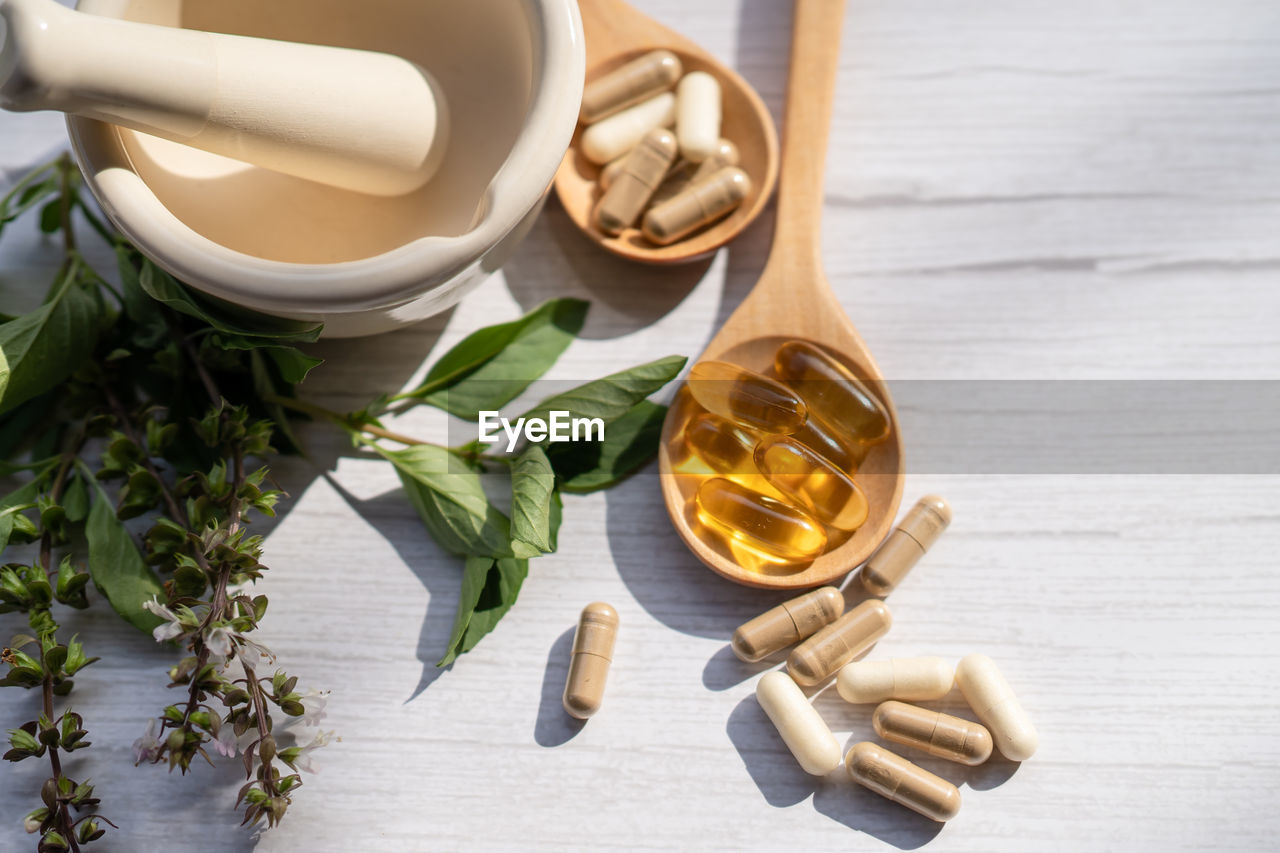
615,34
793,301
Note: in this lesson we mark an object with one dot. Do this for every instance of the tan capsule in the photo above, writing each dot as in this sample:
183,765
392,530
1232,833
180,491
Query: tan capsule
909,541
589,666
611,170
630,84
817,658
913,679
789,622
893,777
686,173
700,204
642,171
939,734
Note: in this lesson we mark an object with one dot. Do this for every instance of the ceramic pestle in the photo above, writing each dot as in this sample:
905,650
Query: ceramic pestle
364,121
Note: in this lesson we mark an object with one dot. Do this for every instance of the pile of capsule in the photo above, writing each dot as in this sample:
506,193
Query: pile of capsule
677,182
783,454
829,641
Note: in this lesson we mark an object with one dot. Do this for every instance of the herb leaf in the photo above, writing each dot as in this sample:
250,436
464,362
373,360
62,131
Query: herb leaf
491,366
447,493
489,588
629,442
532,491
613,396
117,568
43,347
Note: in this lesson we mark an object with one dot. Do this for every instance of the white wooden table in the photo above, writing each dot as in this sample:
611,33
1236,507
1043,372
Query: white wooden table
1016,189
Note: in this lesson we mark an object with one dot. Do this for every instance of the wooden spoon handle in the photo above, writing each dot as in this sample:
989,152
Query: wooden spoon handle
815,53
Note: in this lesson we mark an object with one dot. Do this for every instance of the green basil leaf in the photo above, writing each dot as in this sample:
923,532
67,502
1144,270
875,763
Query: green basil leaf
150,327
42,348
117,568
28,192
491,366
4,373
613,396
629,442
166,290
533,486
449,497
75,501
265,386
294,365
489,588
23,496
19,427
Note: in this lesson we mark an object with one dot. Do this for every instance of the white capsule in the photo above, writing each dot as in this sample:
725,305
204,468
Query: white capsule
909,679
620,132
993,700
801,726
698,115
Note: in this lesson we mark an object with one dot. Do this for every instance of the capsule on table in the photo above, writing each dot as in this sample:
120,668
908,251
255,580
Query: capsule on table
620,132
993,700
801,726
746,397
686,173
700,204
904,547
832,392
819,657
589,665
642,171
811,481
697,115
943,735
894,778
913,679
634,82
776,531
789,622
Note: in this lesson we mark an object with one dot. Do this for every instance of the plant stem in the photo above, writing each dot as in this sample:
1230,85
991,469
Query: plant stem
65,825
66,200
342,421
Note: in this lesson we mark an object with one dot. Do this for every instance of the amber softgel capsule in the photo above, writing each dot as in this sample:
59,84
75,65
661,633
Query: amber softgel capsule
821,656
909,541
788,623
993,701
832,391
746,397
893,777
592,654
811,481
942,735
776,531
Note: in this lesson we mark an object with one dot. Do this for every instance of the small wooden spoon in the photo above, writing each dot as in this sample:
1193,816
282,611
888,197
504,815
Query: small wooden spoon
793,301
615,34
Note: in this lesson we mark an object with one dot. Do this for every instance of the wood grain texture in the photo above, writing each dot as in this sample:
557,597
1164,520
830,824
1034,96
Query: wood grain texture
1015,189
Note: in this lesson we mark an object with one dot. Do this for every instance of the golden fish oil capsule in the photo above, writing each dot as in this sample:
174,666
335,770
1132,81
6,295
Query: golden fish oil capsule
743,396
724,446
634,82
913,679
939,734
642,171
775,530
686,173
909,541
811,481
802,728
993,700
619,133
832,391
702,203
589,666
789,622
894,778
831,445
819,657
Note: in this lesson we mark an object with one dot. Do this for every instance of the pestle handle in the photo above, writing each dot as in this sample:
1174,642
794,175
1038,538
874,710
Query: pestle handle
360,120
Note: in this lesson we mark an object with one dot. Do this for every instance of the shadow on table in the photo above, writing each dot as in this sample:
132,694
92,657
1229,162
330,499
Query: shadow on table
554,727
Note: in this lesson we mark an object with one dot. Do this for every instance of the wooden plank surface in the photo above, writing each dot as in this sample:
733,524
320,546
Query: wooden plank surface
1016,189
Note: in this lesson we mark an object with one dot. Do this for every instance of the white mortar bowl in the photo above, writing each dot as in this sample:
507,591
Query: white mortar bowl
512,73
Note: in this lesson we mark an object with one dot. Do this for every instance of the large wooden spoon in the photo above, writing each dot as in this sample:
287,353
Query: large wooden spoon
615,34
793,301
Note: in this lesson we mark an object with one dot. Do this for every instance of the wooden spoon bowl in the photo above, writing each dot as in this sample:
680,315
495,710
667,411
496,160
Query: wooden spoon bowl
615,34
793,301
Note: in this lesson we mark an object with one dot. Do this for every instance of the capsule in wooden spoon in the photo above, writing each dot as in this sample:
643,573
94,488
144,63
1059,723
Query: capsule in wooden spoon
824,490
636,81
746,397
832,392
699,205
642,171
776,531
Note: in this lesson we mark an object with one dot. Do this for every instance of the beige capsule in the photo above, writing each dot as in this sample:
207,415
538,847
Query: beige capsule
801,726
789,622
913,679
893,777
909,541
819,657
639,79
589,665
642,171
934,732
686,173
993,700
704,202
614,136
